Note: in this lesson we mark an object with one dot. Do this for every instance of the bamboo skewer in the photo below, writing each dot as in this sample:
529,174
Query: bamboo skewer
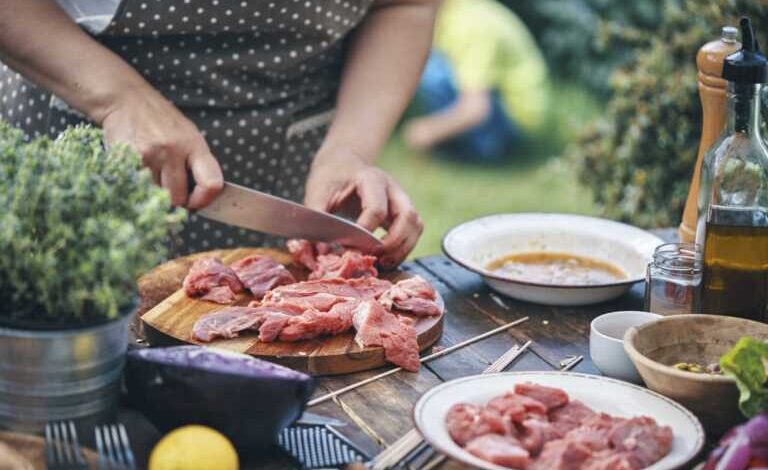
413,439
424,359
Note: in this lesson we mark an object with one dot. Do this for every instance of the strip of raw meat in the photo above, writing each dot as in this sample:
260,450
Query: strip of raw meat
642,438
272,326
377,326
549,396
501,450
344,289
260,273
226,323
351,264
210,279
536,433
414,295
231,321
465,422
313,323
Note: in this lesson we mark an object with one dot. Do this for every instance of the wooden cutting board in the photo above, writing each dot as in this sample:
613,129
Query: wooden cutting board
170,321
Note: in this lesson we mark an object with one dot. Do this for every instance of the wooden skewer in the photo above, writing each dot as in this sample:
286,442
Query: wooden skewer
445,351
572,363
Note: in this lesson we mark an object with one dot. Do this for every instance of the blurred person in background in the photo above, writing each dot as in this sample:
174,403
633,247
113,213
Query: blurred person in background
484,88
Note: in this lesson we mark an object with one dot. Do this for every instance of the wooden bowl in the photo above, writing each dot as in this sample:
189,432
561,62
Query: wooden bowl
656,346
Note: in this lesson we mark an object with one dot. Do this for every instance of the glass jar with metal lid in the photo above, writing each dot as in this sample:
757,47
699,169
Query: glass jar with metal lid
673,279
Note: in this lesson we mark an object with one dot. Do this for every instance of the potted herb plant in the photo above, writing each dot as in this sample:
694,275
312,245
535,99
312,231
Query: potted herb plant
78,225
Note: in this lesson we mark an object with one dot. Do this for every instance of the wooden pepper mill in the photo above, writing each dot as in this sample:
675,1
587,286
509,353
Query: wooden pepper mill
709,61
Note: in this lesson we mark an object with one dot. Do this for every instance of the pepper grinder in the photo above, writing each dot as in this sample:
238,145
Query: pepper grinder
709,61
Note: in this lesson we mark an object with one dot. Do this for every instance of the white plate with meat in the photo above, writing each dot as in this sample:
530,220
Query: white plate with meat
553,259
561,416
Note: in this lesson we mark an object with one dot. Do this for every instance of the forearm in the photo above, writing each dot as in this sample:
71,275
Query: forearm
470,109
381,73
41,42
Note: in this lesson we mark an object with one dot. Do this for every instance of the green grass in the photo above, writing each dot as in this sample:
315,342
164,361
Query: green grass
537,179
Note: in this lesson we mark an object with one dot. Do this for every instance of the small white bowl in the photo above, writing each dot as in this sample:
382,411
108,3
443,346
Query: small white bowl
606,343
476,243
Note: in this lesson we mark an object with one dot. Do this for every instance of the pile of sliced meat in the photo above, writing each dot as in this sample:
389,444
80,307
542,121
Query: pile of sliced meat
342,293
539,428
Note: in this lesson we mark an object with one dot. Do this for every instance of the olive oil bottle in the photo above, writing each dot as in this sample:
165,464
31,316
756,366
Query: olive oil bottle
733,200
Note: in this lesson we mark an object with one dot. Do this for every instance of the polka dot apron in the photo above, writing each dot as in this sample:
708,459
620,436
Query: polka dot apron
258,78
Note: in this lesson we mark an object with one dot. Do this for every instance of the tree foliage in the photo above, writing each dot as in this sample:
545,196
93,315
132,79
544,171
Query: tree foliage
79,224
639,155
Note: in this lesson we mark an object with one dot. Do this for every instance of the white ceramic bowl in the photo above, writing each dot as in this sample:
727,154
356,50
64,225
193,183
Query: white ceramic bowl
606,343
599,393
476,243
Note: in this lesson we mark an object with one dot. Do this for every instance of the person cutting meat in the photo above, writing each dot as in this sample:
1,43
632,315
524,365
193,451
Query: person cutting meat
295,98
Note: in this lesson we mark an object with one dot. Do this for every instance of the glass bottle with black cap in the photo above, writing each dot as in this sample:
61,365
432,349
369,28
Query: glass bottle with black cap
732,224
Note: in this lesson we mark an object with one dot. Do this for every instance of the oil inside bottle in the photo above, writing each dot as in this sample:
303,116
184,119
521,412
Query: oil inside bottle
735,278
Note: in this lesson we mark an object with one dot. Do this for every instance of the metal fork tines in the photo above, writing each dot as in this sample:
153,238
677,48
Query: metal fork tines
62,449
409,447
114,448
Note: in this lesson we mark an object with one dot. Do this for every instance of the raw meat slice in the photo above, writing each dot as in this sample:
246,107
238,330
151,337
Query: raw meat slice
414,295
561,455
549,396
501,450
272,326
260,273
351,264
365,288
314,323
465,422
377,326
210,279
571,415
226,323
642,438
504,411
401,347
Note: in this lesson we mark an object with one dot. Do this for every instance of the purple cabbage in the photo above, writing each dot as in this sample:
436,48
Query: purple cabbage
743,447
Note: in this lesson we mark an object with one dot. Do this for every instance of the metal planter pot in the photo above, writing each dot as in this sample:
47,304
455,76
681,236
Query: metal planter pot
60,374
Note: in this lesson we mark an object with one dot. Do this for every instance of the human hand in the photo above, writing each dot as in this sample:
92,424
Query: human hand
170,145
341,181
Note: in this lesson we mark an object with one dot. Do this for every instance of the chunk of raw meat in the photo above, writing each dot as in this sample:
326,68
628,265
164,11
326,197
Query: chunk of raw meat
536,433
210,279
642,438
465,422
376,326
226,323
501,450
571,415
303,253
260,273
504,411
549,396
326,261
414,295
561,455
351,264
611,460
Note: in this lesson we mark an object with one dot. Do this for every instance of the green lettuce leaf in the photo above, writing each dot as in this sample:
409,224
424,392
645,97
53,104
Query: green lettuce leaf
745,364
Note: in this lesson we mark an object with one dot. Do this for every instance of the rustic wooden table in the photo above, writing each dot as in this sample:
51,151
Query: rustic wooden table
379,413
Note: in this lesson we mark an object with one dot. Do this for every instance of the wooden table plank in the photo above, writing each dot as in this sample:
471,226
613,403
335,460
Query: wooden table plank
463,320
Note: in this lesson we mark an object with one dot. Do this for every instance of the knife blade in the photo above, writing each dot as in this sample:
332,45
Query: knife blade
262,212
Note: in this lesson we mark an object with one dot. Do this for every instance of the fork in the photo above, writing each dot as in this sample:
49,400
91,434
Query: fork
412,443
62,449
114,448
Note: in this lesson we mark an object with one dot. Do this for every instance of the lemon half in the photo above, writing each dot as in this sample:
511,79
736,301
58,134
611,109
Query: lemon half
194,447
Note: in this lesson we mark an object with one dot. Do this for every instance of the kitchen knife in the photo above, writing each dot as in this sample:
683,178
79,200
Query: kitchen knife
262,212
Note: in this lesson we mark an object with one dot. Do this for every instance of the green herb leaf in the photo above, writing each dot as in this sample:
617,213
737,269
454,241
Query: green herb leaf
745,363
